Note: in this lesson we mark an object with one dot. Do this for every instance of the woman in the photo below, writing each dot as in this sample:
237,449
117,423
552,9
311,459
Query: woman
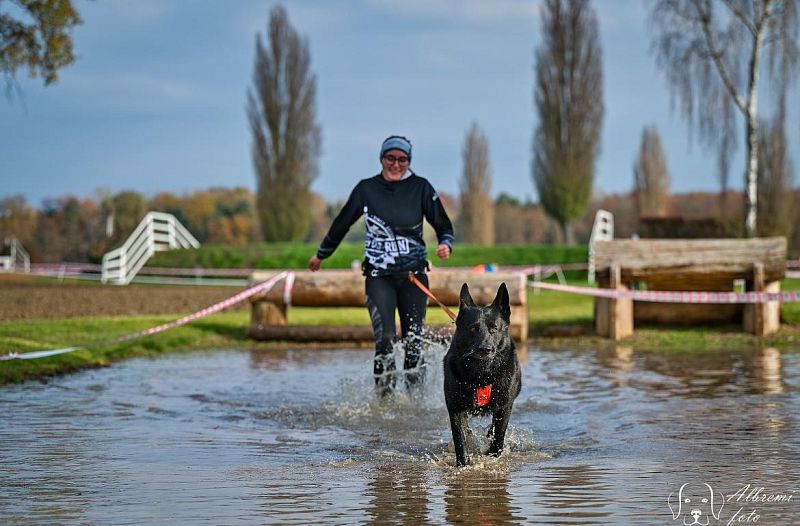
393,203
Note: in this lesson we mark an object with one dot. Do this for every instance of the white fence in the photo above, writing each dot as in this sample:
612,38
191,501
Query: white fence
602,230
157,231
18,259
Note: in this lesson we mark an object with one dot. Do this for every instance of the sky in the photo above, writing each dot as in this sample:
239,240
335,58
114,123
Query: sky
156,99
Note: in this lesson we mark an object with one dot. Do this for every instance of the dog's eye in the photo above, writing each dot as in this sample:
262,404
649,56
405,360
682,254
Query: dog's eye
687,500
704,501
492,329
475,329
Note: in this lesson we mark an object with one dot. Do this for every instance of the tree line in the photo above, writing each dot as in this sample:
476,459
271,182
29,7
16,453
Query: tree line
713,54
82,230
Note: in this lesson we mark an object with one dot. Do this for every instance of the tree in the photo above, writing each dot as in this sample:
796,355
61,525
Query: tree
568,98
286,138
17,219
476,218
36,34
711,52
129,208
651,176
775,195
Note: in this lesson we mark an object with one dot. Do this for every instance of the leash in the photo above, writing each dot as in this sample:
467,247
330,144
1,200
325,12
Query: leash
413,279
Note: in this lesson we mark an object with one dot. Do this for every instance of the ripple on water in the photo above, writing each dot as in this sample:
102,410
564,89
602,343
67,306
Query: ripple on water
298,437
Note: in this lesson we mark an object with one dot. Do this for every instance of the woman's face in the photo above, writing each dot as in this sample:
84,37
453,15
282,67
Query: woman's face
395,164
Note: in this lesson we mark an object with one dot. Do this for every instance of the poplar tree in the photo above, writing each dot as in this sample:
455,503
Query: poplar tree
568,96
476,218
285,135
651,176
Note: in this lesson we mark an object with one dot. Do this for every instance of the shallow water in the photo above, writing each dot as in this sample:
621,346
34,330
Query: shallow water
297,437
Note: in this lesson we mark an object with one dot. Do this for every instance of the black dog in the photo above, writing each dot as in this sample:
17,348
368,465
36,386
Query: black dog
481,371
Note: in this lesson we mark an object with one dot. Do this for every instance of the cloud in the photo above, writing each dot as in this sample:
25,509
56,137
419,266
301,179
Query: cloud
496,12
307,18
136,92
105,19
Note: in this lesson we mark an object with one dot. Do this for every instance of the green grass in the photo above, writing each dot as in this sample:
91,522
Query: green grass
296,255
547,308
548,311
223,329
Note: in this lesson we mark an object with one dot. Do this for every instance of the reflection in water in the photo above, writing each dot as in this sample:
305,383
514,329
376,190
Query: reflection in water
481,498
770,373
693,374
398,495
297,437
578,492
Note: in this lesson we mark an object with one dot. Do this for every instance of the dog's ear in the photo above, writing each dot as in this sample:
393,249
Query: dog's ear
502,303
675,504
465,299
717,501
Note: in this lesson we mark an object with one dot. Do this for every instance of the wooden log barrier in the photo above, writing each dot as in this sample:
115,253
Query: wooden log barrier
691,265
345,288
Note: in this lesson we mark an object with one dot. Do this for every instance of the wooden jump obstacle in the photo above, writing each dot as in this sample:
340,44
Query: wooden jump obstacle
688,265
344,288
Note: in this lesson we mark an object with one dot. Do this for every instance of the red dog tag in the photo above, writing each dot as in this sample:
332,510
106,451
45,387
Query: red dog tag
483,395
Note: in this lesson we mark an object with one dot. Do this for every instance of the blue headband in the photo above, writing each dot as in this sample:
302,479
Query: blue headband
395,142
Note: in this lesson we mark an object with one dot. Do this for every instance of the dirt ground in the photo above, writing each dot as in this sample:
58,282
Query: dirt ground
30,298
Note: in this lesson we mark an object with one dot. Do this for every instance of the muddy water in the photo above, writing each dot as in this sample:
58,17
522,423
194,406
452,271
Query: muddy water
297,437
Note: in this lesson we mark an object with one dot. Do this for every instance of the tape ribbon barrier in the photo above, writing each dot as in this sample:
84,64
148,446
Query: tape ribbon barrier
676,296
261,287
637,295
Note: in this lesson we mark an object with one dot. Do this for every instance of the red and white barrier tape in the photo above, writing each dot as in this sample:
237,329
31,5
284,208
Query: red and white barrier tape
288,284
261,287
676,296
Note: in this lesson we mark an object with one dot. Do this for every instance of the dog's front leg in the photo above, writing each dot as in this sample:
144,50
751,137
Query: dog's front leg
458,425
499,425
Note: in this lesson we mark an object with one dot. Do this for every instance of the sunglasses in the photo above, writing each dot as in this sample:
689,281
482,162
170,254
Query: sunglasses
391,159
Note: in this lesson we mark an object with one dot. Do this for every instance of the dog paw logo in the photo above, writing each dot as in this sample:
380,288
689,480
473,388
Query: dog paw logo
696,504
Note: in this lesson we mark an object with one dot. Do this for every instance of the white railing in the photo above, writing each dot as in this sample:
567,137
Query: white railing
18,259
157,231
602,230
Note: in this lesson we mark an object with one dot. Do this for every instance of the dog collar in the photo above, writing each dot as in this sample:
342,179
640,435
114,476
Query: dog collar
483,395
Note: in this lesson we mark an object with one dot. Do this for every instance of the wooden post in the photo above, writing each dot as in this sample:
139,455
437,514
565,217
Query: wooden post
268,313
762,319
621,309
614,316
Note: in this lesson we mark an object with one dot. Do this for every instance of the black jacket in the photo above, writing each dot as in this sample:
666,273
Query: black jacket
393,212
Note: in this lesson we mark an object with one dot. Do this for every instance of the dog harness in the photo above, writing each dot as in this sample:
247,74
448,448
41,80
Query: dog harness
483,395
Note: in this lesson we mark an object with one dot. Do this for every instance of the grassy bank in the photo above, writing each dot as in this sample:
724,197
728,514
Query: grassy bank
556,319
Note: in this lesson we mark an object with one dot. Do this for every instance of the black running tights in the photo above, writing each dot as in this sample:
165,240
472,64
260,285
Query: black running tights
385,294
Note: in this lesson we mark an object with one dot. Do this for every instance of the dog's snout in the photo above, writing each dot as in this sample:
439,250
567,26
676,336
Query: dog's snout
485,348
696,513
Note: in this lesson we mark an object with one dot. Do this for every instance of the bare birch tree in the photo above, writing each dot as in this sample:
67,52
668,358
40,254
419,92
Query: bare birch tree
651,176
568,95
286,138
712,53
476,217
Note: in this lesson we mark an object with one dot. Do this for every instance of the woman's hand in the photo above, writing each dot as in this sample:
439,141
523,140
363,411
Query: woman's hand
443,251
314,263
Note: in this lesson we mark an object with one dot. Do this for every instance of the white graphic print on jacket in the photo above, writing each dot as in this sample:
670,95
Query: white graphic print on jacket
383,247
